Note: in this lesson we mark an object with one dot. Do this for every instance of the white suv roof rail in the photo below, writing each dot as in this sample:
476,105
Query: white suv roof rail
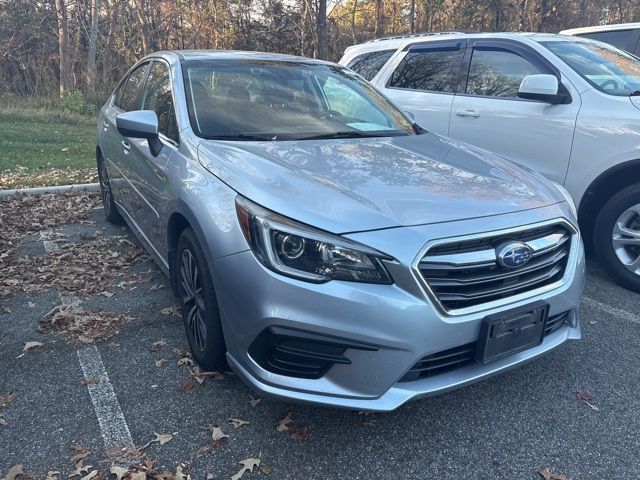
414,35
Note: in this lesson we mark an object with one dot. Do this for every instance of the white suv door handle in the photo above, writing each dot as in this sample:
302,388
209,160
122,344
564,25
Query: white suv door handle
468,113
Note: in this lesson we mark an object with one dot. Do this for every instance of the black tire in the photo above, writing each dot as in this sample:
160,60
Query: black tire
603,231
110,209
197,298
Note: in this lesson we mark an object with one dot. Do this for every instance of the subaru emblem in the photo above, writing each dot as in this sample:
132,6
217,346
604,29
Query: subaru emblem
513,254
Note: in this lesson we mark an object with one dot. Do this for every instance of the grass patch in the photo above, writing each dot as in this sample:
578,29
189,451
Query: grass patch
42,144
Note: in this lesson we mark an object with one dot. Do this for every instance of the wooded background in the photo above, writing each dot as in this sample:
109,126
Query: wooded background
60,47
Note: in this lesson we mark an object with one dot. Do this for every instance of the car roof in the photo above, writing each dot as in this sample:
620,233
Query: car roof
233,55
601,28
399,41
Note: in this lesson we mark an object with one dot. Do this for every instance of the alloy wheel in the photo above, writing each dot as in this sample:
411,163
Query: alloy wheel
625,238
193,300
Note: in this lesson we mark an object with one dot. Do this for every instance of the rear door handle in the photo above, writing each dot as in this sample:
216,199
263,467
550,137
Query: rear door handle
126,146
468,113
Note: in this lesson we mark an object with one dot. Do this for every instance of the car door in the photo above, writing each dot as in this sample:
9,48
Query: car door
488,113
117,149
423,80
148,173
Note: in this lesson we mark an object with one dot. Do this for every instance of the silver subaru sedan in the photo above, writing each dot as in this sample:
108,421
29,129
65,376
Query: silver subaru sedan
324,246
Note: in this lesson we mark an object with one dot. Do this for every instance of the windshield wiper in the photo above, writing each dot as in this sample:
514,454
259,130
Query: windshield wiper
244,136
353,134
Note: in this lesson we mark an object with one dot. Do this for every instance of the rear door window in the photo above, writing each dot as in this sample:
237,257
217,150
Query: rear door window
129,95
369,64
434,69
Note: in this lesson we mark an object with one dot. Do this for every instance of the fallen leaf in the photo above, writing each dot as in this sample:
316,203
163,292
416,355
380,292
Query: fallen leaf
157,286
586,397
185,361
266,470
254,401
160,362
199,374
161,438
300,433
30,345
370,423
547,474
217,435
81,454
119,472
188,385
181,474
237,423
52,475
80,471
89,381
31,305
107,294
155,346
247,466
90,475
171,311
13,472
283,425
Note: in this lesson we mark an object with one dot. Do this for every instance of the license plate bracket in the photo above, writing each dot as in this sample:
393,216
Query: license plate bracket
510,332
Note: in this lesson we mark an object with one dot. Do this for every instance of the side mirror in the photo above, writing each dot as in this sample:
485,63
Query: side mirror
543,88
140,124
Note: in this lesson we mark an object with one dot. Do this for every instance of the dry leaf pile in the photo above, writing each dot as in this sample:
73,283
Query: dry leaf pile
85,268
82,325
22,177
22,215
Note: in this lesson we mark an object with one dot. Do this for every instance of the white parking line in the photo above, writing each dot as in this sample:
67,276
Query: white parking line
616,312
113,426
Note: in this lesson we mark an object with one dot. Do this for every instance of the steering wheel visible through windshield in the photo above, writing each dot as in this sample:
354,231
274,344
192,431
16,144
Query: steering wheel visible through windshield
605,67
279,100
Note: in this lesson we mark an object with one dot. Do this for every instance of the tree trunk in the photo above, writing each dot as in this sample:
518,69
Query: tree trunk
412,17
353,22
91,56
141,16
522,23
321,27
63,47
379,25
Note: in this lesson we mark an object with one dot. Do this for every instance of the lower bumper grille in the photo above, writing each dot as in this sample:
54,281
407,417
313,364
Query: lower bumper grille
468,273
295,353
458,357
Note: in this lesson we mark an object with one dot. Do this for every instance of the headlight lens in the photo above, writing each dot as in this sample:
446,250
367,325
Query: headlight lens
304,252
567,196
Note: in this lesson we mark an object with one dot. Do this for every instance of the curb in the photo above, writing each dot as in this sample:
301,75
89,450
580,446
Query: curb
55,189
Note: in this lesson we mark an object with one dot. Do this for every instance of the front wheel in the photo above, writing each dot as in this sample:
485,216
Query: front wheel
199,305
616,237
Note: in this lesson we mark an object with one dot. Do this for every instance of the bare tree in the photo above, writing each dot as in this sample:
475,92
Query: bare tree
321,28
63,47
91,55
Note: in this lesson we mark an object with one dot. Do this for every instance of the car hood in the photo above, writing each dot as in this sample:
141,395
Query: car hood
351,185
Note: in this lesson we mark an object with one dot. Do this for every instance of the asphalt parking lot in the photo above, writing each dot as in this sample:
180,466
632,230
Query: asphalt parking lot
111,384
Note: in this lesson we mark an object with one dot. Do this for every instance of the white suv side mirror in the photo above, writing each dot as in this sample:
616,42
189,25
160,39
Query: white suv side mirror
543,88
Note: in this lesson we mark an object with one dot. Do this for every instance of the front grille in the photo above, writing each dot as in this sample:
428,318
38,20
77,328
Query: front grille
458,357
467,273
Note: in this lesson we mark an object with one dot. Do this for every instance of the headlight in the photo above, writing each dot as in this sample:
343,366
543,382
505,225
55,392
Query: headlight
301,251
567,196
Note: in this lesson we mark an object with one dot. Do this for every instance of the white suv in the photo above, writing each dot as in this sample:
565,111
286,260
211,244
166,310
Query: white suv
565,106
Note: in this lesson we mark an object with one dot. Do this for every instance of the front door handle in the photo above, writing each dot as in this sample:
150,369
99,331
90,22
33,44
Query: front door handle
468,113
126,146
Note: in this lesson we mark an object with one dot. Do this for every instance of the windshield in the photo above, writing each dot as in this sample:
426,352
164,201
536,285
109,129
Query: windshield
277,100
605,67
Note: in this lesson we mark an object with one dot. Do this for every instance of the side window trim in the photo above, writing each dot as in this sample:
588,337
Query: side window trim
510,46
438,46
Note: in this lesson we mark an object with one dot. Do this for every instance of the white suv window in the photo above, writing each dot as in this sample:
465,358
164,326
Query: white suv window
369,64
432,70
497,73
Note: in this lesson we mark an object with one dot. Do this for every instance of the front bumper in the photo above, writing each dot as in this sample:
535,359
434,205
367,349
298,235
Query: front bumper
399,320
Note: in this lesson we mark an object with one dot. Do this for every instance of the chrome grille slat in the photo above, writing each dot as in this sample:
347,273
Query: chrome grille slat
463,274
